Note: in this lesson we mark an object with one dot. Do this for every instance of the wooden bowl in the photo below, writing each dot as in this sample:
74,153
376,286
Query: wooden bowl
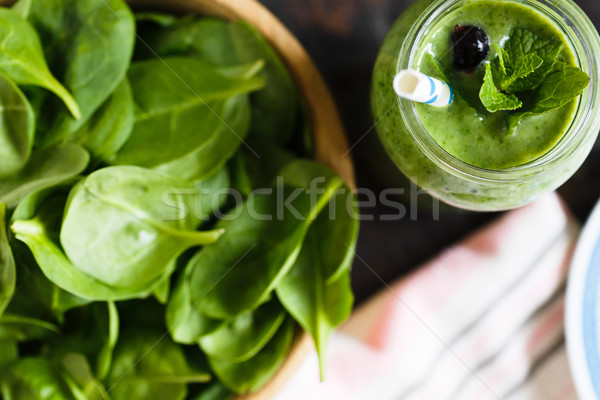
331,145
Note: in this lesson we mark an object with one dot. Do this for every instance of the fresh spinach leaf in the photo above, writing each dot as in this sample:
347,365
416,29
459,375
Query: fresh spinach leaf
341,231
186,323
302,142
106,353
109,127
22,7
251,375
318,304
9,353
211,198
338,224
46,168
123,226
22,328
163,20
30,204
37,304
80,380
148,364
241,337
213,391
31,314
240,178
263,234
208,39
35,379
310,175
91,332
17,129
180,104
88,45
163,291
214,153
46,294
316,291
41,233
146,313
275,107
22,58
262,160
8,274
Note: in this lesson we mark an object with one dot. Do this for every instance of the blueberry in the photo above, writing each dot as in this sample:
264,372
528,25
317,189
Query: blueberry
470,46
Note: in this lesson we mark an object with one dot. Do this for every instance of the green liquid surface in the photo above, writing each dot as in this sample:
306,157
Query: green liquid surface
465,129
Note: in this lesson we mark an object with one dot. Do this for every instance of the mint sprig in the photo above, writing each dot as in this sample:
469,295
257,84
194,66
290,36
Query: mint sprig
522,44
492,98
526,76
513,73
561,86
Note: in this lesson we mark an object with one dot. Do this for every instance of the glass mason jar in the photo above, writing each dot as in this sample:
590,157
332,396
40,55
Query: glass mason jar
444,176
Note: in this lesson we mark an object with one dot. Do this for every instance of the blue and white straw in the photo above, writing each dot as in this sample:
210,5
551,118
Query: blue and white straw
416,86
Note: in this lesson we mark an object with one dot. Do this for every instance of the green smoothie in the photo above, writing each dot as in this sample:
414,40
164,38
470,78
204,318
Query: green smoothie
465,128
514,130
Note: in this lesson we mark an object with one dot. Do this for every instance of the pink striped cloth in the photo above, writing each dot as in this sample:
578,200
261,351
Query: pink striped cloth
484,320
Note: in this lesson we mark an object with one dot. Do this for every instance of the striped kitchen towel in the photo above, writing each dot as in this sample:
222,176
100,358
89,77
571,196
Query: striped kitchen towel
482,321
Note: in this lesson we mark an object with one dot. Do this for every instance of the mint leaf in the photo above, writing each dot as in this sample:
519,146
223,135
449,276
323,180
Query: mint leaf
514,120
520,45
522,41
560,87
524,61
503,62
529,66
438,69
524,67
492,98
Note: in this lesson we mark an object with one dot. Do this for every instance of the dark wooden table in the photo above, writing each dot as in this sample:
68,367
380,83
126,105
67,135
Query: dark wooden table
343,37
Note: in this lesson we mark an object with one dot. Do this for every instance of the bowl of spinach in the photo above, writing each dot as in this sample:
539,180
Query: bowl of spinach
176,214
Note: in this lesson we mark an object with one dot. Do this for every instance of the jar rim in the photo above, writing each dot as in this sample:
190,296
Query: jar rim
584,40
